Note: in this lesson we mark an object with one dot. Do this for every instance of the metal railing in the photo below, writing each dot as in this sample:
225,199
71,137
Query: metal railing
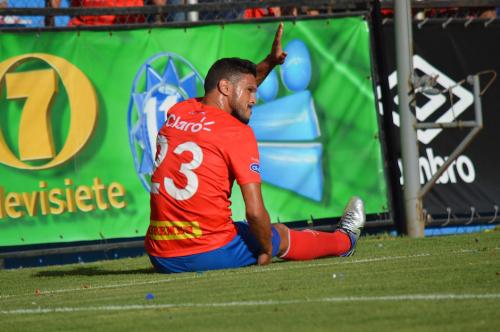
45,15
91,13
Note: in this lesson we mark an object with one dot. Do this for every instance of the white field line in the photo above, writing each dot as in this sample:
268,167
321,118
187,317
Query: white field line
358,261
256,270
470,250
406,298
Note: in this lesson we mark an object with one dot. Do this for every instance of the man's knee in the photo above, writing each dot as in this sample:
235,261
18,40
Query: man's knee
284,238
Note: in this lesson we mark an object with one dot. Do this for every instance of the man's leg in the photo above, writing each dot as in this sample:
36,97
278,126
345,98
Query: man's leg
287,243
308,244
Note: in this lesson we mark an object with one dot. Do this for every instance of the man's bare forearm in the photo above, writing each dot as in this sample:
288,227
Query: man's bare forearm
263,69
276,57
260,226
258,219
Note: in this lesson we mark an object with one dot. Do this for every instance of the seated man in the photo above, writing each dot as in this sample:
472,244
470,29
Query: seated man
204,146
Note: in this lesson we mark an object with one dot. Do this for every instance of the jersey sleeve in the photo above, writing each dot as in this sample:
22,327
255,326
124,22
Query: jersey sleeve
243,156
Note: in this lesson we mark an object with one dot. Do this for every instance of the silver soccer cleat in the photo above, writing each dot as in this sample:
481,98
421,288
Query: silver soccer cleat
352,221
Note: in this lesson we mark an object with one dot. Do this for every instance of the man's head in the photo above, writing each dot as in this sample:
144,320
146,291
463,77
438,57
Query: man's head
232,80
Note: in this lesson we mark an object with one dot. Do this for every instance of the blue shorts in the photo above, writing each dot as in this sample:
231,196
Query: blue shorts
243,250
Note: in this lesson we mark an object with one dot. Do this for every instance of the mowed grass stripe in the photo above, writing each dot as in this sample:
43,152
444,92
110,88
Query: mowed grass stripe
267,269
408,297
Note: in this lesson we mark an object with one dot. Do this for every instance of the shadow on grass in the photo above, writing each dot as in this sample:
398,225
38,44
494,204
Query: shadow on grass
91,271
97,271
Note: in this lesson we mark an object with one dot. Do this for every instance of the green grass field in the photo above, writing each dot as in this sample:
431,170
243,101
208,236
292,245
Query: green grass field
440,284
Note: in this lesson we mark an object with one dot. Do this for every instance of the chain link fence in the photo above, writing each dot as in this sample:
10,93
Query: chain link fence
77,13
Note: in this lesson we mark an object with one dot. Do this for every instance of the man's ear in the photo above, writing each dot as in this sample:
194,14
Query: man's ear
224,87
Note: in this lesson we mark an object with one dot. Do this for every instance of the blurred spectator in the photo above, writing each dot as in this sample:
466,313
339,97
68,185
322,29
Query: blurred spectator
289,11
387,12
284,11
104,19
262,12
11,20
488,13
156,18
49,20
178,16
301,11
309,11
230,14
454,12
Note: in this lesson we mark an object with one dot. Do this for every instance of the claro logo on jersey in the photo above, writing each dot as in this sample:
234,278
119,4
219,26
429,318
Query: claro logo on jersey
437,108
34,79
255,167
176,122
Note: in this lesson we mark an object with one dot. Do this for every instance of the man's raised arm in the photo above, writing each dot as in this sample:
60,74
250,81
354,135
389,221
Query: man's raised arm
275,57
258,219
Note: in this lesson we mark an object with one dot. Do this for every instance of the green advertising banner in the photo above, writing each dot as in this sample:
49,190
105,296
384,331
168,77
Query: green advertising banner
79,112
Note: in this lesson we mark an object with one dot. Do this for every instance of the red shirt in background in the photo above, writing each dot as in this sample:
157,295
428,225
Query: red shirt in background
259,12
106,19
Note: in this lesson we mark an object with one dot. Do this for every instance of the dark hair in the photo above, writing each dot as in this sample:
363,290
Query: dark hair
230,69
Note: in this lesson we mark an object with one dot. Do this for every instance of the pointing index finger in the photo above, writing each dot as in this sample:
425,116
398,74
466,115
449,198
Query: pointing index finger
279,33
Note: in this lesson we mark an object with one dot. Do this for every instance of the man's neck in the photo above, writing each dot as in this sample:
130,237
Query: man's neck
216,100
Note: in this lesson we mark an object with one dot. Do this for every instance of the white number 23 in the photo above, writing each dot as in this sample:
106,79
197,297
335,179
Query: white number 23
191,187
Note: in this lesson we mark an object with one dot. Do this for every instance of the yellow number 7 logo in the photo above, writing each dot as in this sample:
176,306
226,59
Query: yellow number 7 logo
39,88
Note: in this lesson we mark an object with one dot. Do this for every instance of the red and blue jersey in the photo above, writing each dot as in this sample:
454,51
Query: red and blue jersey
200,151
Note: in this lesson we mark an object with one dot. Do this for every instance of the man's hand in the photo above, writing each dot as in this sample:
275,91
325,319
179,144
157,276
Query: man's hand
264,259
258,220
275,57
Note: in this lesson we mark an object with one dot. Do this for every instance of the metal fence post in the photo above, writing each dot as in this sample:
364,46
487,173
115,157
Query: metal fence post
409,145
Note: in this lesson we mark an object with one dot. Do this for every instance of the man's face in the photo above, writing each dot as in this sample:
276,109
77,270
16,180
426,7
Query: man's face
242,97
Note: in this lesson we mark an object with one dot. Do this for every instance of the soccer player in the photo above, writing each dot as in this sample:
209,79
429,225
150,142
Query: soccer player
203,147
